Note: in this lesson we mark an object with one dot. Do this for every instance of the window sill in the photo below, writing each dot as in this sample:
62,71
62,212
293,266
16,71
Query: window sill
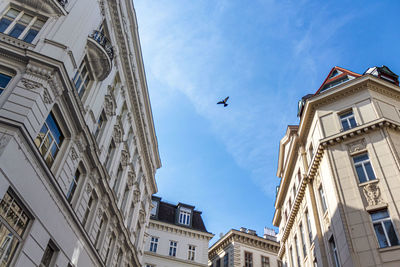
14,41
397,247
369,182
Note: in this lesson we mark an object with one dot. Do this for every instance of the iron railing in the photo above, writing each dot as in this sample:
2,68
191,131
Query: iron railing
102,40
63,3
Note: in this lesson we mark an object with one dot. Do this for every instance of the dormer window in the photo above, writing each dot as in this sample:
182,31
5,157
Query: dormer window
184,215
153,211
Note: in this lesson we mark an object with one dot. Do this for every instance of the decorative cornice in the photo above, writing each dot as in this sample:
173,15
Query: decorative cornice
172,228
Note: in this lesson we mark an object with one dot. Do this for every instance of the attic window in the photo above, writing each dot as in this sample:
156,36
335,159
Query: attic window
184,216
335,83
153,211
334,73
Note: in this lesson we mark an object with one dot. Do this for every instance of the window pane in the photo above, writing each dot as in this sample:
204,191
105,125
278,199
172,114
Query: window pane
377,215
391,233
55,130
25,19
38,24
12,13
4,23
30,35
352,122
4,80
17,30
8,245
360,158
370,172
380,235
361,174
345,125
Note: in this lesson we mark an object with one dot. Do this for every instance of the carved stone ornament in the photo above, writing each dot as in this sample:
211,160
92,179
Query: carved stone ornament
142,216
100,213
29,84
88,188
102,10
131,177
74,155
109,105
372,193
105,202
117,134
46,97
136,196
357,146
80,146
124,158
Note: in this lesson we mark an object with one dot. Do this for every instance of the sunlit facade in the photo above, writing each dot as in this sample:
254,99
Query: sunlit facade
338,200
78,150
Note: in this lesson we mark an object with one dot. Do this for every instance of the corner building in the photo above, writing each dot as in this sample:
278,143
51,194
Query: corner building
176,236
339,196
78,150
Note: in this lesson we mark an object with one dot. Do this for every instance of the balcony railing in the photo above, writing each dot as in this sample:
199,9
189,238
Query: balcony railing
63,3
102,40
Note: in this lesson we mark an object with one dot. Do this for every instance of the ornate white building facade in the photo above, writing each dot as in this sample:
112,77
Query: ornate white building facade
339,196
78,150
244,248
176,236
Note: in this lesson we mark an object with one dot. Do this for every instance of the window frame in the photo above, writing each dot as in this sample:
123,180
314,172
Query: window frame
8,74
153,244
382,222
185,216
173,245
321,193
191,252
86,80
27,26
363,164
347,115
334,251
248,259
265,262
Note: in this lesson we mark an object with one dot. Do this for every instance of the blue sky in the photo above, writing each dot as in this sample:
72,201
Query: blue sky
265,55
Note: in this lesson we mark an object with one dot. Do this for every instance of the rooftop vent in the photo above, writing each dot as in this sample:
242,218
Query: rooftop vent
270,234
242,229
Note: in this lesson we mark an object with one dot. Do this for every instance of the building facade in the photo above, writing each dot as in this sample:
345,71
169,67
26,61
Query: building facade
176,236
78,150
245,248
339,196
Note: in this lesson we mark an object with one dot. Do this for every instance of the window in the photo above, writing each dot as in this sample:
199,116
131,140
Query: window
100,123
49,139
88,209
118,179
48,254
119,257
73,186
153,244
191,252
363,168
13,223
130,138
125,198
309,227
334,252
100,230
20,24
172,248
296,241
4,81
303,240
264,261
130,215
149,265
110,154
384,229
109,245
322,197
291,256
184,216
226,260
311,152
248,259
81,79
348,121
279,263
153,211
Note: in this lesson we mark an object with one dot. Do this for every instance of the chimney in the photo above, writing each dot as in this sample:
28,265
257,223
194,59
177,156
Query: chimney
251,232
243,229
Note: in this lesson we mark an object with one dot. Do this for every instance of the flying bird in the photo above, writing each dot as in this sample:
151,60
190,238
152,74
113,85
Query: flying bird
224,101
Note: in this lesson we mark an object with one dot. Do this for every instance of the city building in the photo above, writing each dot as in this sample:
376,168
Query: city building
244,248
176,236
339,196
78,150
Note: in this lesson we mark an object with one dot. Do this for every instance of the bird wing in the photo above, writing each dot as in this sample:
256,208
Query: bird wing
226,99
220,102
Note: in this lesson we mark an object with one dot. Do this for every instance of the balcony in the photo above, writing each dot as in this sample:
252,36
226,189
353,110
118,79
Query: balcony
100,55
52,7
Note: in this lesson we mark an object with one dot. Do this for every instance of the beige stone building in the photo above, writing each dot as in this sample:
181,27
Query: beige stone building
244,248
78,150
339,197
176,236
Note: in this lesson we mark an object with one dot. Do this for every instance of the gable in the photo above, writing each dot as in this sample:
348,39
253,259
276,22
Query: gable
337,76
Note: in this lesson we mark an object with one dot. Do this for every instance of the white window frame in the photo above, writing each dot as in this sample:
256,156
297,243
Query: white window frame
153,244
86,80
334,252
173,245
8,74
184,215
362,164
324,206
345,117
28,26
191,252
382,223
